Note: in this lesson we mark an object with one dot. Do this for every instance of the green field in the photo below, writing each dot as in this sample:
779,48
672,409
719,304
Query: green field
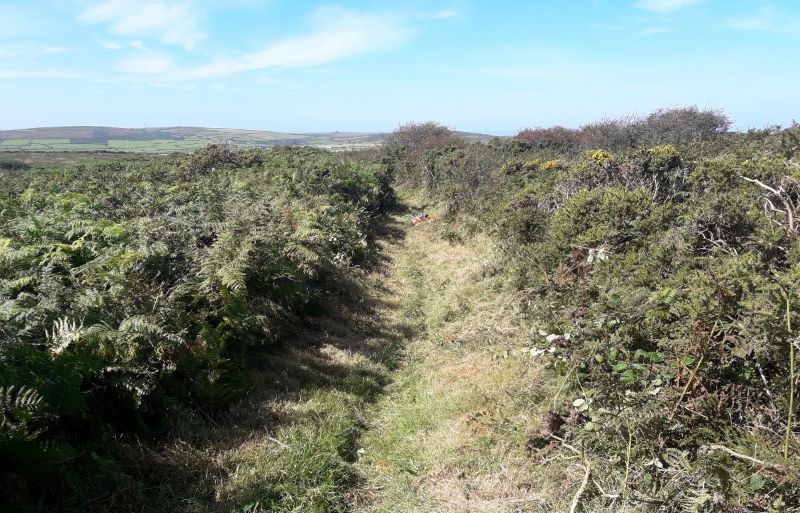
176,139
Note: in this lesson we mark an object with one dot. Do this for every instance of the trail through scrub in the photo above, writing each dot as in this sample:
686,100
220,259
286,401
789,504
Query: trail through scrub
449,433
415,394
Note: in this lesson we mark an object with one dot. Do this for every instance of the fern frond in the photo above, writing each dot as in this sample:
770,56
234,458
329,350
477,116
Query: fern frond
233,276
22,398
64,333
676,459
11,309
695,500
139,325
12,287
17,405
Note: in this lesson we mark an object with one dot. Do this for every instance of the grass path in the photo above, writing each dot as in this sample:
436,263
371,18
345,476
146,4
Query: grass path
413,395
448,434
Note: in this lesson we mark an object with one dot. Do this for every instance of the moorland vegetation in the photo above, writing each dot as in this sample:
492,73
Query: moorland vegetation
656,260
653,259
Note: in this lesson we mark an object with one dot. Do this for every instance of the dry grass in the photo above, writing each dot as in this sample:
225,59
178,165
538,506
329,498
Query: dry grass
449,434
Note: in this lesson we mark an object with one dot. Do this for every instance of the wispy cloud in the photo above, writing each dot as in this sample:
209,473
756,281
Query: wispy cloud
110,45
145,64
9,51
766,19
445,13
336,34
665,6
55,49
171,22
31,50
38,73
654,31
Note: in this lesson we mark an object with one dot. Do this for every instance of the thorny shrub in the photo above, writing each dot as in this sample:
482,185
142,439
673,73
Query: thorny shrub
661,274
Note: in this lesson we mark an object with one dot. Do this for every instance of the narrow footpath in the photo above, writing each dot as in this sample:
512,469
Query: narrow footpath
414,392
448,434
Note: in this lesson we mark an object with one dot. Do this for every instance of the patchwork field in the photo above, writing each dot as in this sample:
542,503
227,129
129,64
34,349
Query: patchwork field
175,139
166,140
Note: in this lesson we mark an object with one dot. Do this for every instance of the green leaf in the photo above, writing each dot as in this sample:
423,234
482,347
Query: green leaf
628,377
756,482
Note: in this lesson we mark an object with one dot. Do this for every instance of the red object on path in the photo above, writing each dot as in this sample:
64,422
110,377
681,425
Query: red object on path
421,218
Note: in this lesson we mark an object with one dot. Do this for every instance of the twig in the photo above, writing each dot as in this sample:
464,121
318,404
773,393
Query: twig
576,500
627,464
718,447
761,184
785,199
603,492
790,413
565,444
764,379
275,440
694,371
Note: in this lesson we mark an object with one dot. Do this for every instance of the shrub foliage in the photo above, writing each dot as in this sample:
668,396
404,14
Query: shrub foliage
130,289
660,273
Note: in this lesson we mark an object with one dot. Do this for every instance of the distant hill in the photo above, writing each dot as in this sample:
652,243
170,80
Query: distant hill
172,139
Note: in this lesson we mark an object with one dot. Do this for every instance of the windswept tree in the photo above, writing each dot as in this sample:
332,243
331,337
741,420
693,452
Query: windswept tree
410,148
683,125
555,138
412,139
678,126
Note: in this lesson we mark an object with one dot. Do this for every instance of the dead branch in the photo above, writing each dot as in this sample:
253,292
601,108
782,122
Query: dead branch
576,500
783,196
731,452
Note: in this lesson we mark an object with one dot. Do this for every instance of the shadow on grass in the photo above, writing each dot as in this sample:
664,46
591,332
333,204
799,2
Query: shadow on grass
290,444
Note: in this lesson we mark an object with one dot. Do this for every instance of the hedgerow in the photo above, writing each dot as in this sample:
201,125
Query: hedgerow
660,273
130,290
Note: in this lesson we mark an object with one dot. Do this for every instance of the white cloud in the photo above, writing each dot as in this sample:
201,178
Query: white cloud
666,5
336,34
109,45
39,73
446,13
171,22
652,31
145,64
55,49
30,51
767,19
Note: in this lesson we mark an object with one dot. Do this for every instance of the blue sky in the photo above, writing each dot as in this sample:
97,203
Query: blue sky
305,66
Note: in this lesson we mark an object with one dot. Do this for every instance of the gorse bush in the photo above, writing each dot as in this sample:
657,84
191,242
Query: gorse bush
681,126
658,261
11,165
130,288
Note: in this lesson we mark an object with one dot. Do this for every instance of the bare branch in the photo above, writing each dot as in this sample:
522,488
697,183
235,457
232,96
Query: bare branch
718,447
761,184
577,499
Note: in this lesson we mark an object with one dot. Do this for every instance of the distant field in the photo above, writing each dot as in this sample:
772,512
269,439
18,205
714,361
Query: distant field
174,139
52,158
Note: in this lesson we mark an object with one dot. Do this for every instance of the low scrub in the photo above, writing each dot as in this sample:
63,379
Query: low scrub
660,278
683,126
129,291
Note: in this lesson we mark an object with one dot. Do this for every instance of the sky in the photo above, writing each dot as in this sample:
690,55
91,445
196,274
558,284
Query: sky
306,66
